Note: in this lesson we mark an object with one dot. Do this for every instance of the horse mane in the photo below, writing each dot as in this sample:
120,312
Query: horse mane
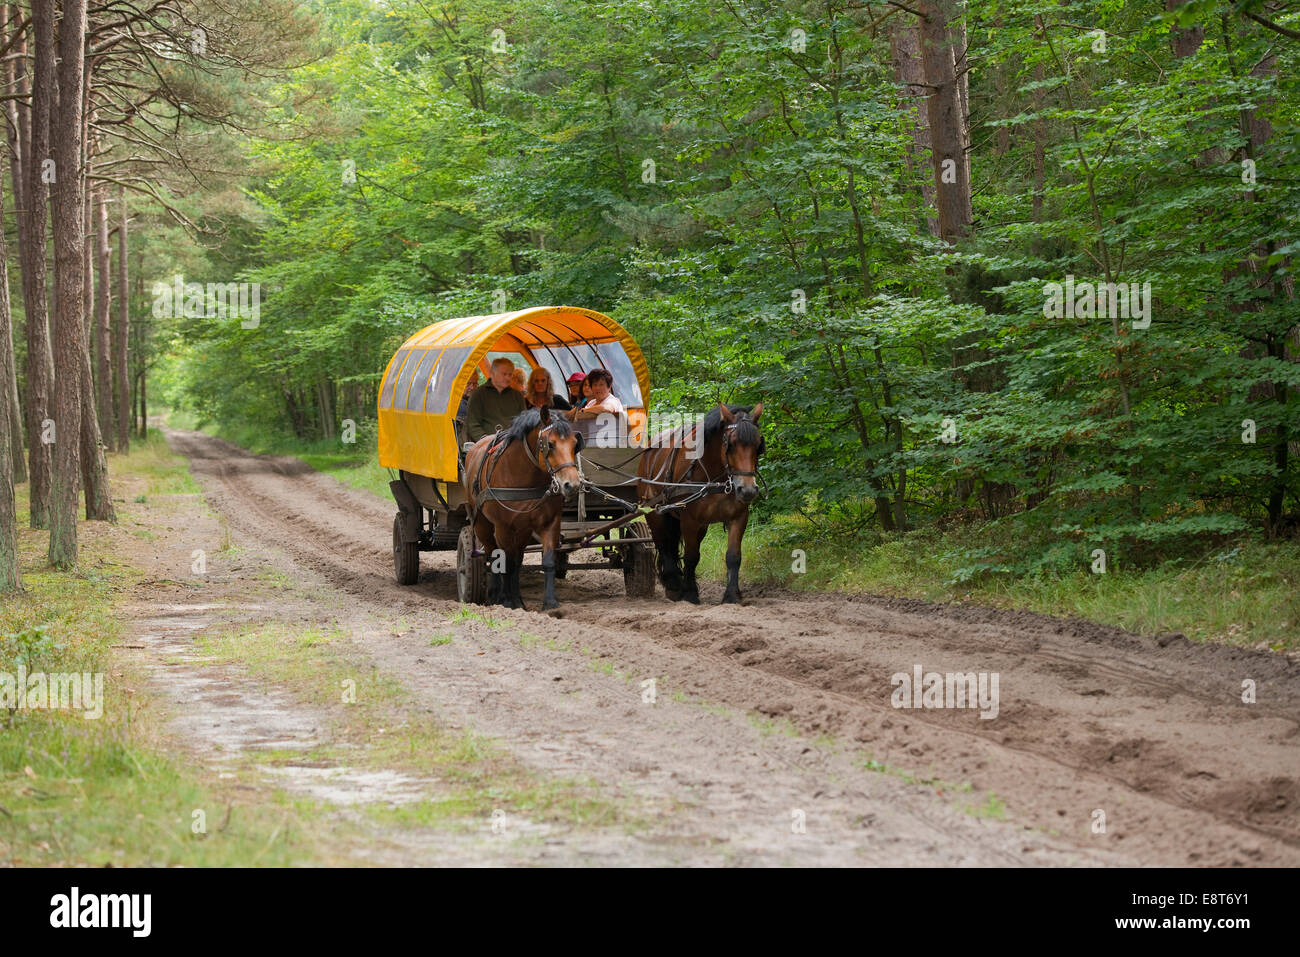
530,419
746,431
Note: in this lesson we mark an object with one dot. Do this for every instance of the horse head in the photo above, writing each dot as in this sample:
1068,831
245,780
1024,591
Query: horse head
742,444
558,443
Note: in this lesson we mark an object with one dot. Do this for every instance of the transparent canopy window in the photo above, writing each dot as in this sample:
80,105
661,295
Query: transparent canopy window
564,360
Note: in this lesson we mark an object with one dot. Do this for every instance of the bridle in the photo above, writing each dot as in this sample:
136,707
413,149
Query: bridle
542,458
728,434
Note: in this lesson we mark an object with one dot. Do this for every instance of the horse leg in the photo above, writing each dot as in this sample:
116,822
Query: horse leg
513,564
486,534
550,539
513,556
692,534
735,532
666,530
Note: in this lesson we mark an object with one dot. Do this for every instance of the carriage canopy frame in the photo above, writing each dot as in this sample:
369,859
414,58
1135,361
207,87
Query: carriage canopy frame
424,382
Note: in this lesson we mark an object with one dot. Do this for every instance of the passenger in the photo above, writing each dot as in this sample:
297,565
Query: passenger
470,386
494,404
518,378
541,391
603,400
577,398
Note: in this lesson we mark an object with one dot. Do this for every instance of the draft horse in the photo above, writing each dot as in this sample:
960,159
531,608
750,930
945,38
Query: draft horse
517,482
703,474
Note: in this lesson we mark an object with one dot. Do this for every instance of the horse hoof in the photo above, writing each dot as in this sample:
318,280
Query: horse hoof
730,599
672,595
692,597
550,605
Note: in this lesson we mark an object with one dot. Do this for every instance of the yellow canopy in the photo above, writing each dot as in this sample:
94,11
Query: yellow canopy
421,392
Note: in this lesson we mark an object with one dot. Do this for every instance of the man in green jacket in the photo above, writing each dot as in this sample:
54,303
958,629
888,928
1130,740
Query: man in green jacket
494,404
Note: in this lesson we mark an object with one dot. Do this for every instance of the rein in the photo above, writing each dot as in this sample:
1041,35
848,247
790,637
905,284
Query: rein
697,490
710,484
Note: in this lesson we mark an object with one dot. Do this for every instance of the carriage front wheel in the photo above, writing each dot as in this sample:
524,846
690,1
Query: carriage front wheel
638,562
406,556
471,570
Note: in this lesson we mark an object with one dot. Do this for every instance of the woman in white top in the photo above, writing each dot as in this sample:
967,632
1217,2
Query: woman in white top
603,399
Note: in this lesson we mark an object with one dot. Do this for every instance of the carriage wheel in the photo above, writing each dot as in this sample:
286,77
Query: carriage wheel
406,556
638,562
471,571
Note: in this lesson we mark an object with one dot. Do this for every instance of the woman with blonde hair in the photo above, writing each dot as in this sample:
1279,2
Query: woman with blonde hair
540,391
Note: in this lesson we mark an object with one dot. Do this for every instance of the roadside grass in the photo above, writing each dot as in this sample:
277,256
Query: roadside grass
164,472
911,777
354,463
375,723
106,791
1247,596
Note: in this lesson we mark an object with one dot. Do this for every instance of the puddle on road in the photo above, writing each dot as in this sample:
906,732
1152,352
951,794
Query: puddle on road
227,717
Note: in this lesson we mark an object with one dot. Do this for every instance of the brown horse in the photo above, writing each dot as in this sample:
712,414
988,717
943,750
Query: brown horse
516,485
710,468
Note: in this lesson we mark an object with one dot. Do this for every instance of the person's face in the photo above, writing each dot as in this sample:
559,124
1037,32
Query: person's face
599,389
575,389
501,376
537,383
586,388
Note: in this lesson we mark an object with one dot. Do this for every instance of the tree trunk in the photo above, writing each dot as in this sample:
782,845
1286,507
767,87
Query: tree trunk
94,466
35,151
10,437
905,52
13,421
1040,137
325,391
69,251
948,135
103,326
122,333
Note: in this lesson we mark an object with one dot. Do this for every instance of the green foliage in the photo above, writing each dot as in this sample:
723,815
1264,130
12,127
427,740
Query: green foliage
28,647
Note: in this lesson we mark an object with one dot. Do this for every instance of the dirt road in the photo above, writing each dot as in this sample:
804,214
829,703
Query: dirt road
773,738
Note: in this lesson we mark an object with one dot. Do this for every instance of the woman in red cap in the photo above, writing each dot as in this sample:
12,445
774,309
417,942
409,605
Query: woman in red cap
577,390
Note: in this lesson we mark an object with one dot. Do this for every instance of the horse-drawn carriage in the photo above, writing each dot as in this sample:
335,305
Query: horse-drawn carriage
546,485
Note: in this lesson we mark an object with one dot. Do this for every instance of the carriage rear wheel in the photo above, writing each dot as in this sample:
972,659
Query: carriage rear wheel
471,570
638,562
406,556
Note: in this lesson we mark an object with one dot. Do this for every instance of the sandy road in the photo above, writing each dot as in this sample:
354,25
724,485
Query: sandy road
1149,734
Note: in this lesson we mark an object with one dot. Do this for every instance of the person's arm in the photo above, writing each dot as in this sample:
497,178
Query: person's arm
593,408
560,402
